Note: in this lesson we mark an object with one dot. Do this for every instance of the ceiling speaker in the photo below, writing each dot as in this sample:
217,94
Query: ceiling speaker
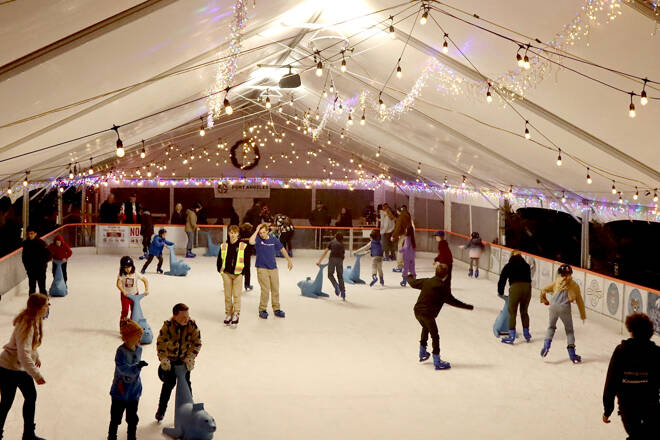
290,81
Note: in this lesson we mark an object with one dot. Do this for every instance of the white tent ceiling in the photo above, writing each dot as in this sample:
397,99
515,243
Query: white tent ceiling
104,51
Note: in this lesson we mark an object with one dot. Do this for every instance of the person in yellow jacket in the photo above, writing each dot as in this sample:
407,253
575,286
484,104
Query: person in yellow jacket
564,291
231,261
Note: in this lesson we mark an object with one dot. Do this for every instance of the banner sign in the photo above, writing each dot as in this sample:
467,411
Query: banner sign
241,190
128,237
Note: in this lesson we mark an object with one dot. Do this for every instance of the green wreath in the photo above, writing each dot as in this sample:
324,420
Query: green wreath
234,159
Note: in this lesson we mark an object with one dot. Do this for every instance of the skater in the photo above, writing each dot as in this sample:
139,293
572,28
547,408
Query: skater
127,386
245,233
146,231
475,248
61,251
336,263
191,228
375,248
408,253
435,292
35,258
127,283
403,222
285,229
20,364
179,342
131,210
178,216
519,274
444,253
156,250
634,378
230,264
565,291
266,247
386,229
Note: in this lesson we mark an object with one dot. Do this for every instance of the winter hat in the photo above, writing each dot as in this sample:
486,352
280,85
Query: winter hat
129,329
439,234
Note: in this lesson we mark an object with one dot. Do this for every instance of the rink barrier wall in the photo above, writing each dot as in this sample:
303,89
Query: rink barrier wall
602,294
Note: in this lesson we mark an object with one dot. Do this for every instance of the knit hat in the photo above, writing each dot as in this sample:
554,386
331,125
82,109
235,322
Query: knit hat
129,329
439,234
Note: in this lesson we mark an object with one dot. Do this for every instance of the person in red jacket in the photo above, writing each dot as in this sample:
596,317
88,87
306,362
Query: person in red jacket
444,253
60,251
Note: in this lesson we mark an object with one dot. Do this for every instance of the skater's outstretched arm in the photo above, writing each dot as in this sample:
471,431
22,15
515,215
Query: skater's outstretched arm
325,252
453,301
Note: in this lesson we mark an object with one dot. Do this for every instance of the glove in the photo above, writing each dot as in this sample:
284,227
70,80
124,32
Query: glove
165,365
190,363
142,364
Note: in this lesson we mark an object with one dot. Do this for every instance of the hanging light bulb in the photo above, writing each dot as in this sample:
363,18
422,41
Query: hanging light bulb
363,120
202,132
381,104
655,195
526,63
319,68
342,133
350,119
71,175
519,58
489,97
9,191
588,177
419,168
268,105
620,199
120,145
378,152
563,197
631,111
399,74
143,153
559,158
613,187
343,62
25,180
636,195
91,168
644,99
425,16
445,46
324,93
291,101
228,109
528,136
392,34
332,87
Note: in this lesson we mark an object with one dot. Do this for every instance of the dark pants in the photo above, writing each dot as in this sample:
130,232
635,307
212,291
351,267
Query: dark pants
641,424
150,259
248,265
146,241
285,239
429,326
390,247
336,264
37,276
63,271
169,382
9,381
519,294
117,413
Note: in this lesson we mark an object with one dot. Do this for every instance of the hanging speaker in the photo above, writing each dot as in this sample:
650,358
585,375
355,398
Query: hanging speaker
290,81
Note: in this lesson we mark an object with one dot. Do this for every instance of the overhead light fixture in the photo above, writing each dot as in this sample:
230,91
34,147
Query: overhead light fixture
228,109
120,145
489,97
644,99
202,132
559,158
143,153
528,135
588,177
445,46
363,120
631,108
636,195
399,74
319,66
613,187
425,16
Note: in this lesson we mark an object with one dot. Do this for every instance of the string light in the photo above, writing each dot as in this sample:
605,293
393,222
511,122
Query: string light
143,153
588,177
489,97
343,62
526,64
291,101
463,182
332,87
350,119
392,34
644,99
519,58
120,145
563,197
620,199
528,136
445,45
559,158
268,104
228,109
91,168
381,104
636,195
613,187
25,180
378,152
631,111
202,132
363,120
419,168
319,66
71,175
655,195
425,16
324,93
399,73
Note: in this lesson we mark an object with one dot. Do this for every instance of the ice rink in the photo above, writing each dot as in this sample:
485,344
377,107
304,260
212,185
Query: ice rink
329,370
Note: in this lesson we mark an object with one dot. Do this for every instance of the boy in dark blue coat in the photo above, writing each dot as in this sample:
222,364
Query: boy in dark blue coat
126,386
156,250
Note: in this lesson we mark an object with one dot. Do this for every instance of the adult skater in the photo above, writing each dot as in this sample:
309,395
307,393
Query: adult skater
387,220
230,264
179,342
475,248
156,250
35,258
267,247
403,222
336,264
126,386
564,292
435,293
127,283
146,231
444,253
109,210
408,252
634,378
245,233
191,227
519,275
178,216
285,229
61,251
20,363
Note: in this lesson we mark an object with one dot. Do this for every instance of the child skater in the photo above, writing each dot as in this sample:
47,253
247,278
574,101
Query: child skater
127,283
336,263
475,248
564,292
62,252
408,253
434,293
126,385
375,247
156,250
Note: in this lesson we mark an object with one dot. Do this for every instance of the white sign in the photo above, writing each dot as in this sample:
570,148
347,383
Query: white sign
118,236
241,190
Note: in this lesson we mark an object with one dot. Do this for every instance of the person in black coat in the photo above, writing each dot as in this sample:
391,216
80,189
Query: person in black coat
146,231
519,275
132,210
178,216
253,215
435,293
35,258
634,378
109,211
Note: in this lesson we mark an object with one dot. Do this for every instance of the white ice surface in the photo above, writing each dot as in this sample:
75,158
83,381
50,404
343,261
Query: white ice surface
329,370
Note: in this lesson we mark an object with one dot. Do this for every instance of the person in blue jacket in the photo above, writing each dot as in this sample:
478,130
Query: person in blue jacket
156,250
126,386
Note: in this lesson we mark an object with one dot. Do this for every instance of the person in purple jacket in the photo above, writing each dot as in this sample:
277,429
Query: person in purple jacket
408,254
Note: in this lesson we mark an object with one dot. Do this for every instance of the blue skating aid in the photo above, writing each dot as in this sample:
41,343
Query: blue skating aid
213,249
177,267
138,316
352,274
313,289
191,421
501,325
58,288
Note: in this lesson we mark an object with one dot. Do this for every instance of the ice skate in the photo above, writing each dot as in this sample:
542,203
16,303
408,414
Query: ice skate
423,354
374,279
527,335
510,339
263,314
227,320
476,273
234,320
279,313
439,364
575,358
470,273
546,347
